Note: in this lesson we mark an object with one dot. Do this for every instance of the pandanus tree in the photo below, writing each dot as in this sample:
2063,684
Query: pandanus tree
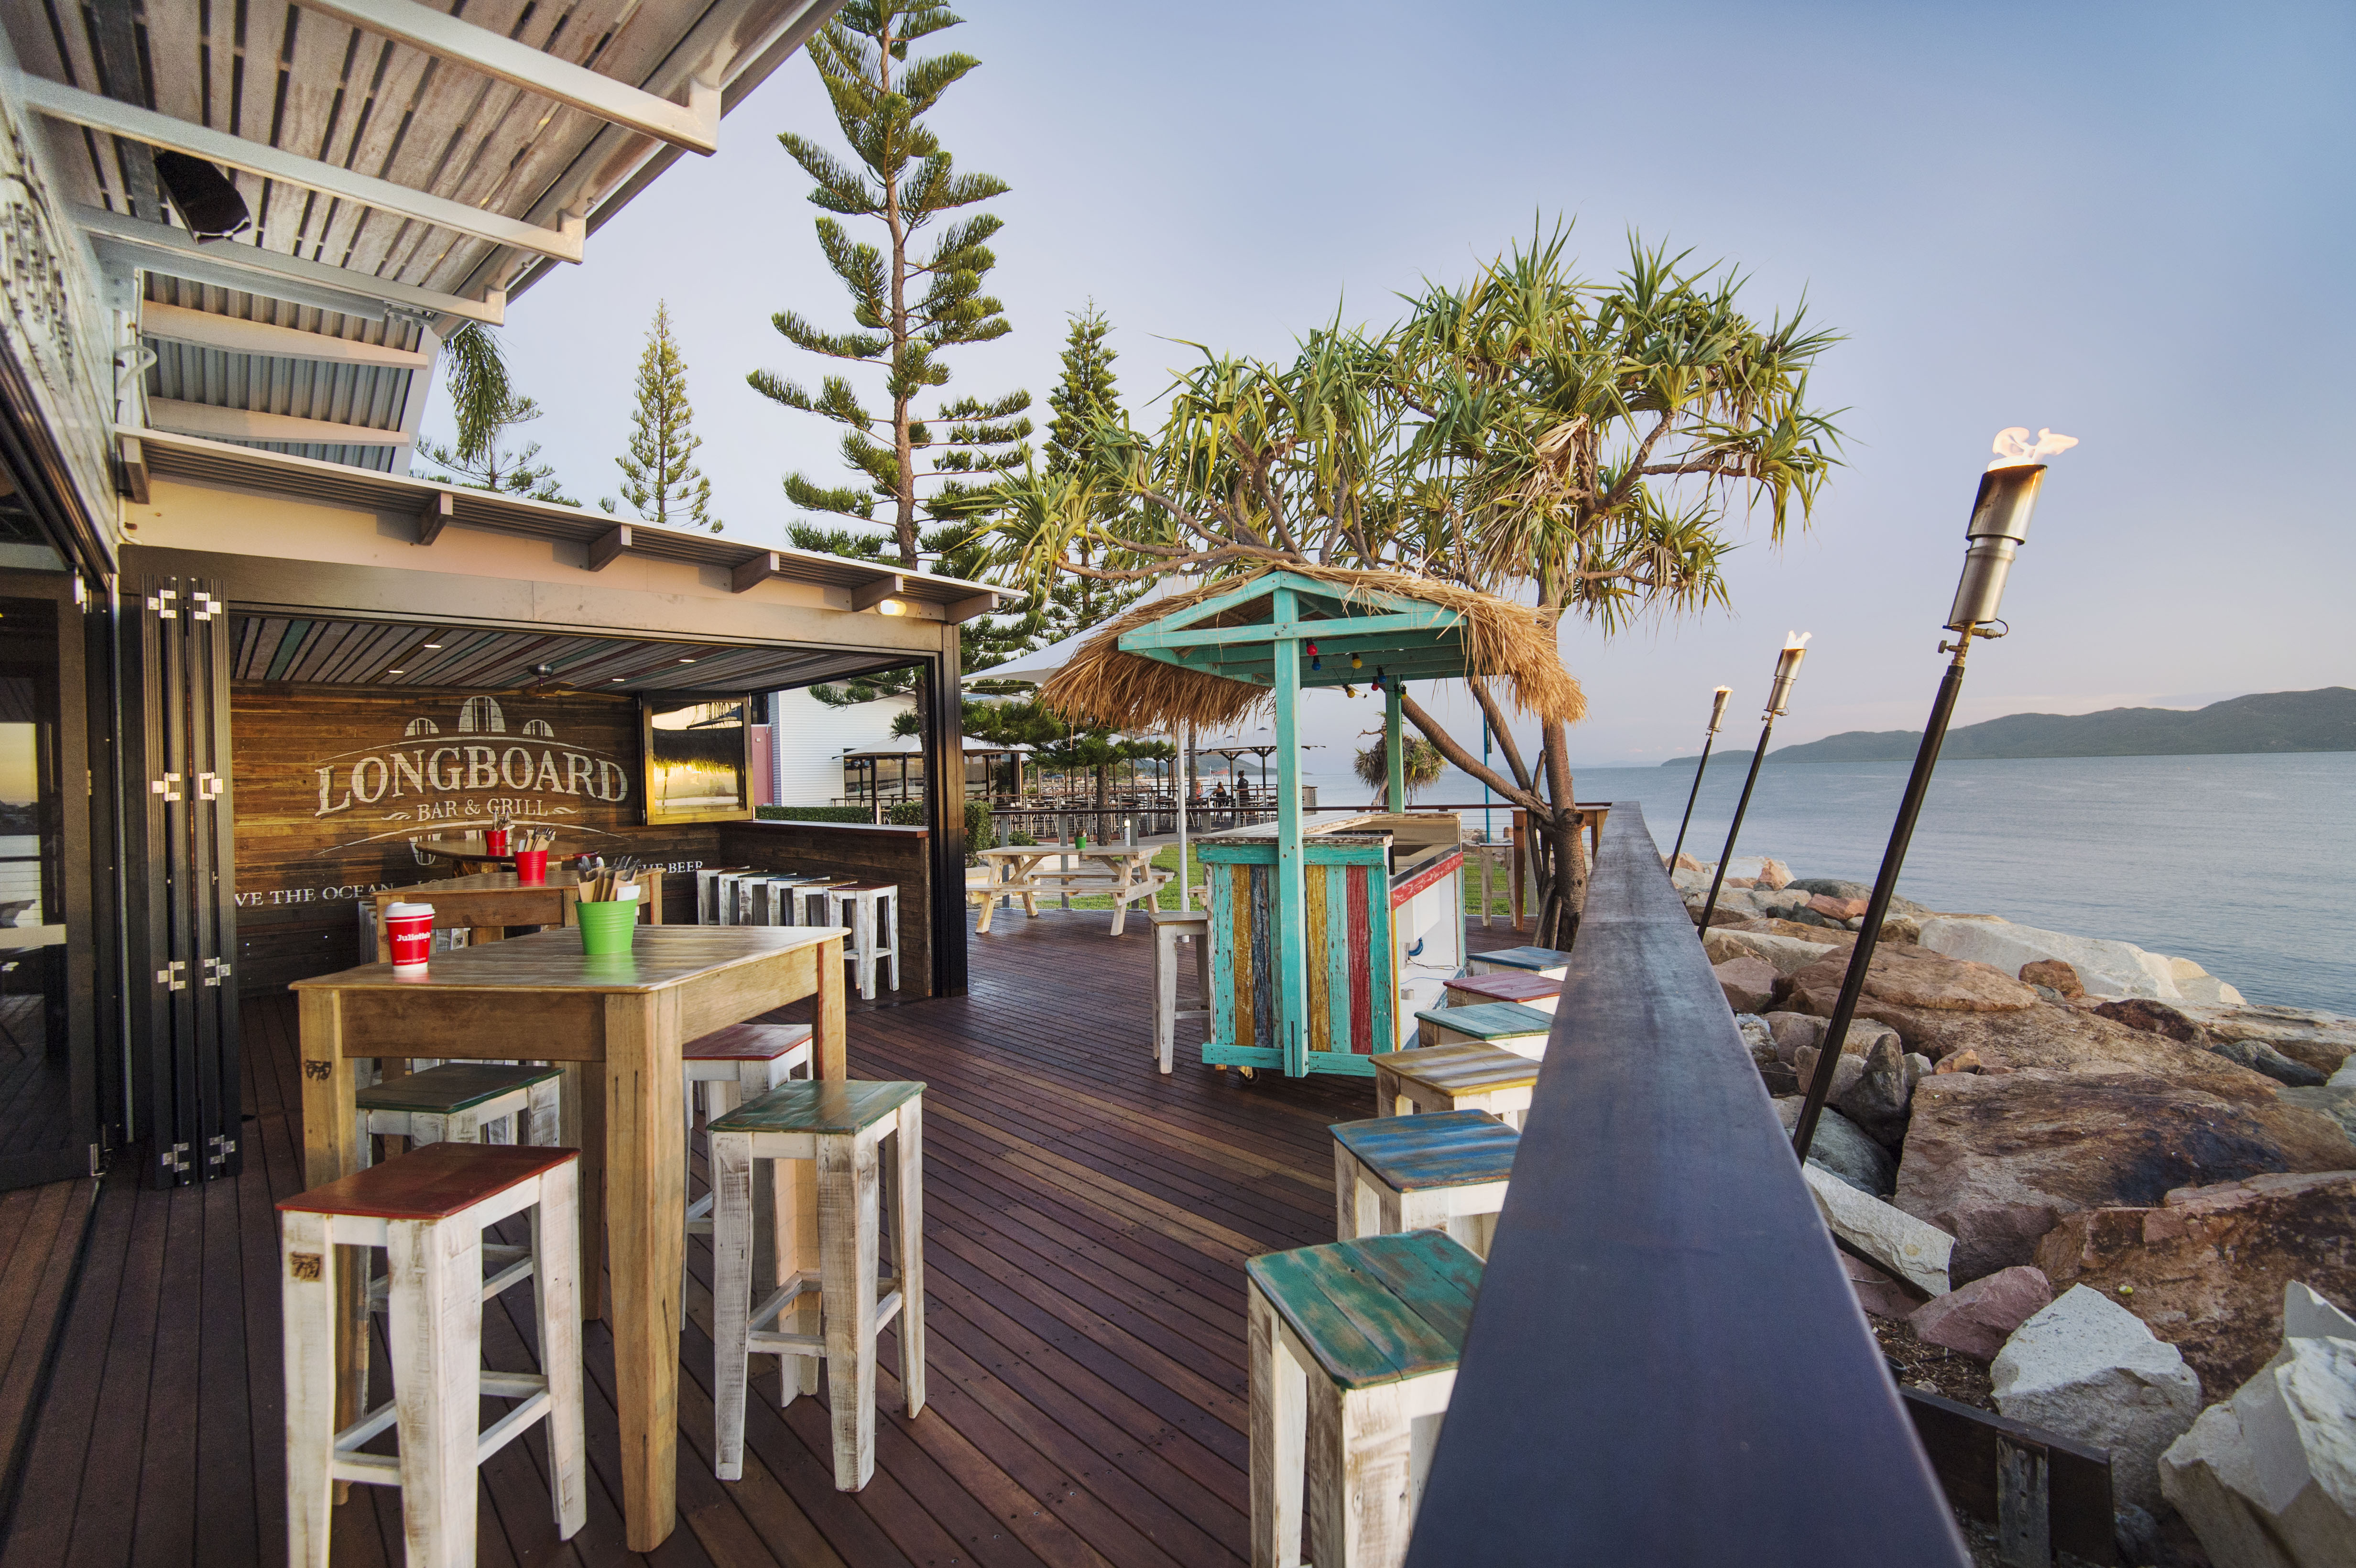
1586,446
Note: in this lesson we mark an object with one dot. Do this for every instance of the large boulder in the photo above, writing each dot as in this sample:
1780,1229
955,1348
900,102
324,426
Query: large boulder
1750,984
2322,1041
2205,1267
2152,1018
1895,1239
1792,1031
2106,968
1840,941
2268,1478
1870,1090
2055,975
1840,1149
2087,1368
1913,979
1996,1161
2259,1057
1977,1318
1786,955
2337,1100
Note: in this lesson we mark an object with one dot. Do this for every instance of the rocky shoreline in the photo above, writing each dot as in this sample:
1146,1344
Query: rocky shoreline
2097,1169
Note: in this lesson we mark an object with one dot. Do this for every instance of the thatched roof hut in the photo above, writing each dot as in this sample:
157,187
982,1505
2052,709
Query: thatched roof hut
1218,683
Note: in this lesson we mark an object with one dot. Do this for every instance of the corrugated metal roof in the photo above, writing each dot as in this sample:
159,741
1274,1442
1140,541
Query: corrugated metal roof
403,654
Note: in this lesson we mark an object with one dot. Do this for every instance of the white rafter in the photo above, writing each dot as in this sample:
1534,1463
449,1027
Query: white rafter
76,107
247,424
234,335
233,264
694,126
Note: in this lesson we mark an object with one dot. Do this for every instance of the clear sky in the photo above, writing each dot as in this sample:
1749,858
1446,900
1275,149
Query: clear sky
2130,222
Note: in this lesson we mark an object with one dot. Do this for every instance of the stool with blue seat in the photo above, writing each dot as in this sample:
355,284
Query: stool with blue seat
1353,1353
1445,1171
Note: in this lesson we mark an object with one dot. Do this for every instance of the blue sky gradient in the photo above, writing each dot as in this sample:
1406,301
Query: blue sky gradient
2131,223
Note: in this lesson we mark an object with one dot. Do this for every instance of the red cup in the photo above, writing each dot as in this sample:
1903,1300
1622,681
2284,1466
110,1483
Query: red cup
409,932
531,867
494,840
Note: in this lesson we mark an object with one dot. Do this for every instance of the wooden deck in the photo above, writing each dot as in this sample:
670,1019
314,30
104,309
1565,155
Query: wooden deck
1087,1223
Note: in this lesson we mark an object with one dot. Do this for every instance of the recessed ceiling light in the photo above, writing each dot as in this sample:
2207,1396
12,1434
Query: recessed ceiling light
620,678
392,672
429,644
687,661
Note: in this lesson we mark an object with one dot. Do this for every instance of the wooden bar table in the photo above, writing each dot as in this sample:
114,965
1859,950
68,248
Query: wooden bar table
489,902
618,1024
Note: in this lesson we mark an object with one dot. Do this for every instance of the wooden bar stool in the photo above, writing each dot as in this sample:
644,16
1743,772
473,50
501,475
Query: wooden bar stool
1455,1078
1354,1351
1551,962
731,1066
842,1125
1169,925
1508,1026
772,900
875,911
809,898
1445,1171
428,1211
707,893
1531,990
458,1101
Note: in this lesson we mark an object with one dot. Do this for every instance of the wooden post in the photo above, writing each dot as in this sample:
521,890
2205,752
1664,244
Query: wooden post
1292,869
1394,746
645,1198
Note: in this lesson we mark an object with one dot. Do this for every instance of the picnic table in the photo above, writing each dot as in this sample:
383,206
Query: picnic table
489,901
618,1024
1126,871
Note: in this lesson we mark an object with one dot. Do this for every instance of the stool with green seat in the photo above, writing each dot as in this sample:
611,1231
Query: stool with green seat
1354,1352
1445,1171
841,1126
1508,1026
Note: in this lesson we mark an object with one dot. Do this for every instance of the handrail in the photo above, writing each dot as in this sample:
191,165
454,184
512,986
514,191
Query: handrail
1666,1365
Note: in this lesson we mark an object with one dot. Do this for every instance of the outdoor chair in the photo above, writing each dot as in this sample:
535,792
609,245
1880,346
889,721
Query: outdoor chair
841,1126
1170,927
873,908
1353,1353
428,1212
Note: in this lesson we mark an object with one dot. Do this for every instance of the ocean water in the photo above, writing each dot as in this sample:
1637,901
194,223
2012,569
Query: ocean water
2245,864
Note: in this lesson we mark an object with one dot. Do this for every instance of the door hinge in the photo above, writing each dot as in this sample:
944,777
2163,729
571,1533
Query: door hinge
202,606
168,787
216,971
97,1162
222,1145
176,1161
170,974
208,786
161,603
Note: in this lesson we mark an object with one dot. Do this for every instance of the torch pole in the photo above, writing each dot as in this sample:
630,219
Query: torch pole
1885,887
1734,829
1691,795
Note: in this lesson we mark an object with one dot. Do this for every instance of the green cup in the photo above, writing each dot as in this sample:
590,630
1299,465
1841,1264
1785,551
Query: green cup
607,927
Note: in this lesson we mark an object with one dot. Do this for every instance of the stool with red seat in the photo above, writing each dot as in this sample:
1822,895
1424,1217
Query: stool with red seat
736,1064
428,1211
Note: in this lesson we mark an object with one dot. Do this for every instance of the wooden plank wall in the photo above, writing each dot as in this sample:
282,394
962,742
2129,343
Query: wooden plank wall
331,782
899,856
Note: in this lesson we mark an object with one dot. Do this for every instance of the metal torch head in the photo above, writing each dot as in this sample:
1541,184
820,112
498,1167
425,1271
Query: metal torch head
1998,527
1787,670
1718,707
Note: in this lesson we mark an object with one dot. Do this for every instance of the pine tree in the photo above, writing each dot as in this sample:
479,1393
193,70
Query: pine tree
492,466
660,475
1088,393
907,308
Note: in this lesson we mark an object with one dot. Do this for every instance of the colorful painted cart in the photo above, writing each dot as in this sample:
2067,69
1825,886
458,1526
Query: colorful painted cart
1378,940
1323,942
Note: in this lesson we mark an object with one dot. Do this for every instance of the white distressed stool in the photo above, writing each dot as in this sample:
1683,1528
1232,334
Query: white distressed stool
874,922
1508,1026
842,1125
459,1102
428,1211
732,1065
1169,925
1354,1352
707,893
1465,1077
770,900
1445,1171
809,898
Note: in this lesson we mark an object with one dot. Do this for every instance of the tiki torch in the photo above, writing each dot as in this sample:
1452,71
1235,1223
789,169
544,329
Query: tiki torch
1717,716
1998,527
1778,699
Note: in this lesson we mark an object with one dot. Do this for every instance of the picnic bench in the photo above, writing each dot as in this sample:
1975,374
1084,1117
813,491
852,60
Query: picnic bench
1124,872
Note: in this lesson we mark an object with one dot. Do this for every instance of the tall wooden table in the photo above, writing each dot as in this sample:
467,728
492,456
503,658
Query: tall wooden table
618,1023
491,902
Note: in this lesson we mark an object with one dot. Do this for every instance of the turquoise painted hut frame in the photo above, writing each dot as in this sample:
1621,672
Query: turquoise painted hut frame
1302,949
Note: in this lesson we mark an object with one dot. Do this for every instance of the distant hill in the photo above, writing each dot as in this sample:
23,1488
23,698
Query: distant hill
2322,720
